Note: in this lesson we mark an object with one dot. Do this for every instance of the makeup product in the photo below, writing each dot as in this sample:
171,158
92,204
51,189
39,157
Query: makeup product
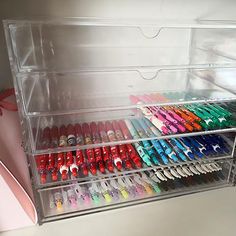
157,146
115,157
124,157
71,140
107,158
79,135
143,154
105,192
87,134
151,152
61,165
94,193
46,138
63,136
82,194
41,163
118,133
58,198
125,130
72,199
51,166
70,163
168,151
123,188
80,162
99,159
110,132
160,125
133,155
54,136
95,133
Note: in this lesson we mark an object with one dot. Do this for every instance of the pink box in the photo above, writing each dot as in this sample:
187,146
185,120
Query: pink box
16,206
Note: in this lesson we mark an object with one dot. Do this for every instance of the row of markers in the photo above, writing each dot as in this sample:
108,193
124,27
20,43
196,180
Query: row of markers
126,187
185,118
79,163
165,120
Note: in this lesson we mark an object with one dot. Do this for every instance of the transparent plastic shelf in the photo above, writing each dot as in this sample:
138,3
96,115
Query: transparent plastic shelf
62,93
62,133
63,168
85,198
87,44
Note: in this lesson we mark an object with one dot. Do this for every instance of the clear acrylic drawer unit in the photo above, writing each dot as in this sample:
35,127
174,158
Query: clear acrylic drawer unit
122,112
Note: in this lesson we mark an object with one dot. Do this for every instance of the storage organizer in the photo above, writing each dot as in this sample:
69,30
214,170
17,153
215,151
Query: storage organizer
73,76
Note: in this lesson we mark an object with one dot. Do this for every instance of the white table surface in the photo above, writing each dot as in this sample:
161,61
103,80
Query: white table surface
210,213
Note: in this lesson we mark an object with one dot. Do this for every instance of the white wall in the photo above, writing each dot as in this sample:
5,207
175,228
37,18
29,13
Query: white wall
190,9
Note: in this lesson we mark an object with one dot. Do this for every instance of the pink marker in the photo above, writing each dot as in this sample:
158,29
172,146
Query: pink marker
160,125
177,117
156,110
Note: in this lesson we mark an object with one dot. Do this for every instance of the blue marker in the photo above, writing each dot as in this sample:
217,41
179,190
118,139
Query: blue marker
178,147
151,152
160,151
168,150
